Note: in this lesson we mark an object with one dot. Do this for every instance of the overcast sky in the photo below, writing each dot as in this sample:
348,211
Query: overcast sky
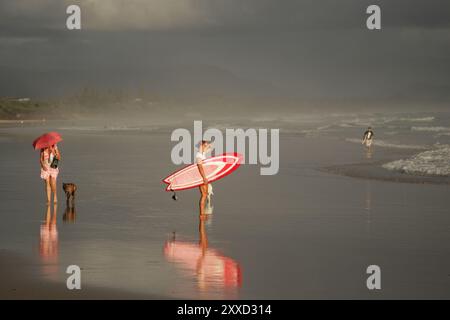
300,49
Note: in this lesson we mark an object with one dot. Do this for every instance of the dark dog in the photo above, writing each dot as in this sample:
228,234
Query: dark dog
70,214
70,189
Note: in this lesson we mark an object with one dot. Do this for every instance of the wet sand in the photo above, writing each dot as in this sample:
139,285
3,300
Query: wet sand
301,234
20,282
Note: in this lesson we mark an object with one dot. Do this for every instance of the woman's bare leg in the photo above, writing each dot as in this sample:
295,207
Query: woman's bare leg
48,189
48,215
55,210
203,195
53,186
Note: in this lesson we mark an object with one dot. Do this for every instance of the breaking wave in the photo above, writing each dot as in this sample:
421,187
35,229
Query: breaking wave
433,162
431,129
424,119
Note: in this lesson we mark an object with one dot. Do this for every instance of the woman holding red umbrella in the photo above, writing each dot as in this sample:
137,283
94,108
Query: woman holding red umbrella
49,158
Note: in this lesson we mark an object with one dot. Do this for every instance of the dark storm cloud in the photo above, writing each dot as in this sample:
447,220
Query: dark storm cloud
29,15
307,49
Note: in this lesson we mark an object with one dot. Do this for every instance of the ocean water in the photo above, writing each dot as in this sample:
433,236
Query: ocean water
425,138
303,233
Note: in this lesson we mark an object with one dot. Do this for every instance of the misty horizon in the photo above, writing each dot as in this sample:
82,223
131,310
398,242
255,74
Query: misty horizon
258,54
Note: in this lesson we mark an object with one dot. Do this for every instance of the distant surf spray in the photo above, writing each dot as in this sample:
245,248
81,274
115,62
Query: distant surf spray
424,119
431,129
434,162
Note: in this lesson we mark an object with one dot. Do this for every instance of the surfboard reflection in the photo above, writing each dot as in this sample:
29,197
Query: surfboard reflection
212,270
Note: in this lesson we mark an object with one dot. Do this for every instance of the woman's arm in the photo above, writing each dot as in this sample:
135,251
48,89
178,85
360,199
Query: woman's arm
42,161
57,153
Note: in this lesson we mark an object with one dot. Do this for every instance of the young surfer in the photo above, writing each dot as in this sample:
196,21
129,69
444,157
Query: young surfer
204,147
368,137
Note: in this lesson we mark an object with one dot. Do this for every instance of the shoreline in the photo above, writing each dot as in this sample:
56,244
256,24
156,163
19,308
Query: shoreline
10,121
374,171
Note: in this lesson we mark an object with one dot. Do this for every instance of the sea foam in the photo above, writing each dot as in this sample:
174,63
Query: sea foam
431,129
434,162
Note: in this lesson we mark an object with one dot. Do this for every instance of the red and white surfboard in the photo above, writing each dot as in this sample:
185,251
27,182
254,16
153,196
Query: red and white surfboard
215,169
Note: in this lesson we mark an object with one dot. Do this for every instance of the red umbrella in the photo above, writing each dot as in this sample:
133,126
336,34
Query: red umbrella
47,140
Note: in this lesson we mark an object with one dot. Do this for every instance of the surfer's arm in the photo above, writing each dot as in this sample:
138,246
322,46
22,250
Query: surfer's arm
202,172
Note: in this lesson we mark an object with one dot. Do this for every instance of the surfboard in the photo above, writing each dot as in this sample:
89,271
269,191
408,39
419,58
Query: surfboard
215,168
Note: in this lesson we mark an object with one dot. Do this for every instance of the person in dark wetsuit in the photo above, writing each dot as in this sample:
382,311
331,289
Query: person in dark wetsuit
368,137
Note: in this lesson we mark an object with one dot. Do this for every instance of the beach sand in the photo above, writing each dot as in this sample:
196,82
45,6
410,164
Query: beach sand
303,233
19,282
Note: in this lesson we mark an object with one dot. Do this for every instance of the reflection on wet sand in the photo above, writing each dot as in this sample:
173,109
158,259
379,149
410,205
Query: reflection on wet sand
369,152
70,214
213,271
368,207
48,244
368,197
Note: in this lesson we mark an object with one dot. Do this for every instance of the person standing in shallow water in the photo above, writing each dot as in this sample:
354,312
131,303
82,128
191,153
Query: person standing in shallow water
50,171
199,157
368,137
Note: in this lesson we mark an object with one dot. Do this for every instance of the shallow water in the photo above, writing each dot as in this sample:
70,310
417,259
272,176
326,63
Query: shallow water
300,234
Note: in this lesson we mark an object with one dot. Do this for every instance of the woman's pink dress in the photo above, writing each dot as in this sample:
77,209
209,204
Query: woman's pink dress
51,172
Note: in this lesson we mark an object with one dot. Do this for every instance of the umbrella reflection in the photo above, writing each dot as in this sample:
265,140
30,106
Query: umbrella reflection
211,269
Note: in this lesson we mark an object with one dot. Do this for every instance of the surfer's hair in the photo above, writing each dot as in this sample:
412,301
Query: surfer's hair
202,143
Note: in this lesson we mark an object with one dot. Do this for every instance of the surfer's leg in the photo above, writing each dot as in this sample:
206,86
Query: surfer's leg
203,196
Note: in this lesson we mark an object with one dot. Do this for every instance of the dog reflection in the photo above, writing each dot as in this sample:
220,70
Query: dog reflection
70,215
